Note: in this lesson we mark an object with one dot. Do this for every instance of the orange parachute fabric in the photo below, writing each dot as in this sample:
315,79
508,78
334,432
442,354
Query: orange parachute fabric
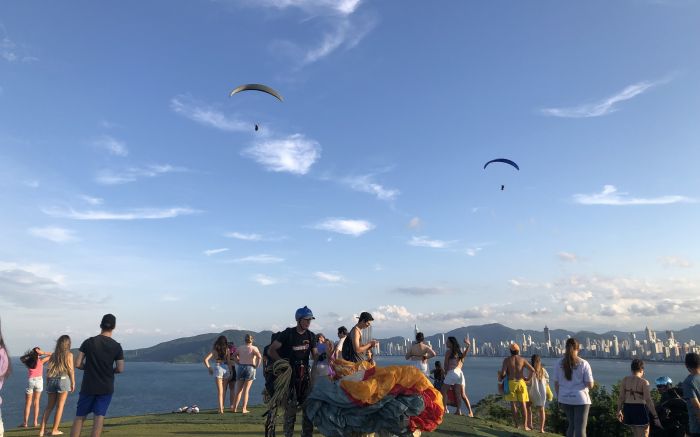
366,384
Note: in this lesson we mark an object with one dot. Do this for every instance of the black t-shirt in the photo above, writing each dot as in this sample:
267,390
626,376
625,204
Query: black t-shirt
296,347
98,374
348,352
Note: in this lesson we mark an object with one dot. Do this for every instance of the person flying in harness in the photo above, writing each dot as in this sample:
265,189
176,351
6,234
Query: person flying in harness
296,345
671,410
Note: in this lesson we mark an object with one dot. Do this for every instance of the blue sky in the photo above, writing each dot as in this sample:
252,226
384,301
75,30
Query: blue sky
131,183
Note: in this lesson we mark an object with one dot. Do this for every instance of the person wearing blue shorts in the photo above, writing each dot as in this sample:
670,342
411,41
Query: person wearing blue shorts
100,357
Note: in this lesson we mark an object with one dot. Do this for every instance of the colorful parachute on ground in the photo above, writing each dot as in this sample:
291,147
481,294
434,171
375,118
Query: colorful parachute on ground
257,87
506,161
367,399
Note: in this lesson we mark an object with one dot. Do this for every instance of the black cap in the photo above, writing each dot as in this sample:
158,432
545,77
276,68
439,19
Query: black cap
365,317
108,322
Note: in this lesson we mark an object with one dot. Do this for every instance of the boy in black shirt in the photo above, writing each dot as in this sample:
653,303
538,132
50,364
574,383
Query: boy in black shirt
296,345
97,358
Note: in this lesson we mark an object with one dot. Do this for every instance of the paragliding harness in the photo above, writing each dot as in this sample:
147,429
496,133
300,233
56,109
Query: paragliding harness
673,414
296,349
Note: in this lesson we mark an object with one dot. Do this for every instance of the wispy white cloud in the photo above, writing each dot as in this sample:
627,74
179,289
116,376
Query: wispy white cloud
675,261
132,174
265,280
170,298
610,196
207,115
312,7
329,277
423,241
473,251
112,145
13,52
211,252
134,214
92,200
345,226
244,236
294,154
422,291
605,106
259,259
567,257
54,233
366,184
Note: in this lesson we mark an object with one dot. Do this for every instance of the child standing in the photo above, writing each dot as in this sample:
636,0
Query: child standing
34,360
438,375
539,392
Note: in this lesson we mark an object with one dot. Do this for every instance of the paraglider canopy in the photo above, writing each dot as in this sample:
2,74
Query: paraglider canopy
257,87
506,161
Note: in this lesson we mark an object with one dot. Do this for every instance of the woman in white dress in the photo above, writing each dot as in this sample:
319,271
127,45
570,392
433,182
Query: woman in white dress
539,383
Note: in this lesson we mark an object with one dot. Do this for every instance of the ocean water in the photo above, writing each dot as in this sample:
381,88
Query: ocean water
162,387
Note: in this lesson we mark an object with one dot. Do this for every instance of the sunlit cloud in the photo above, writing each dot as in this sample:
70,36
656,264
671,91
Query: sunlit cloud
675,261
366,184
294,154
329,277
567,257
134,214
13,52
259,259
211,252
605,106
132,174
422,291
610,196
112,145
92,200
54,233
345,226
473,251
244,236
207,115
265,280
423,241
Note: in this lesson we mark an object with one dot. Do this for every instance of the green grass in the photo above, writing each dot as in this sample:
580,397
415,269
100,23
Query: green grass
208,423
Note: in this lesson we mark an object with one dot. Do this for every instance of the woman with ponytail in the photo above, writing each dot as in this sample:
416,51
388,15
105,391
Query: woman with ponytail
572,379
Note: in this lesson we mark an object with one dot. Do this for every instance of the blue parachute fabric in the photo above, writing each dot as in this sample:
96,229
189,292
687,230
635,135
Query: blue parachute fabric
336,415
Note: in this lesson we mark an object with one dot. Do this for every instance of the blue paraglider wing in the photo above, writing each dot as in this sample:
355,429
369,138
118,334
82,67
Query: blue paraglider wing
506,161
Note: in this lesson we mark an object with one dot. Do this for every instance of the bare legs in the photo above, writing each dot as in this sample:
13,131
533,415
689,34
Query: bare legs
30,400
97,425
514,409
59,401
221,393
242,387
463,394
232,391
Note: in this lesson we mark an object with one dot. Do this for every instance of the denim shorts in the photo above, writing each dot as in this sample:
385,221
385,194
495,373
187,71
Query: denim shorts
96,404
58,384
221,371
35,385
245,372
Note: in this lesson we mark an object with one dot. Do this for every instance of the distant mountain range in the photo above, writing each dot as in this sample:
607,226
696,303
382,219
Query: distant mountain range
193,349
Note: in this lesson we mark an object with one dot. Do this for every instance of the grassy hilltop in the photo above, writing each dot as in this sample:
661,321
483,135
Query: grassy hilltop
208,423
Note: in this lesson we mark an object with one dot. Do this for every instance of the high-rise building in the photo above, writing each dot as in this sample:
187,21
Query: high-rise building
615,346
547,338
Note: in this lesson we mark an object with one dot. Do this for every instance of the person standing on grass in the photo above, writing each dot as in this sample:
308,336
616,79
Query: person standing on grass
297,344
691,393
221,371
100,358
34,360
634,404
572,380
248,358
60,380
516,392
